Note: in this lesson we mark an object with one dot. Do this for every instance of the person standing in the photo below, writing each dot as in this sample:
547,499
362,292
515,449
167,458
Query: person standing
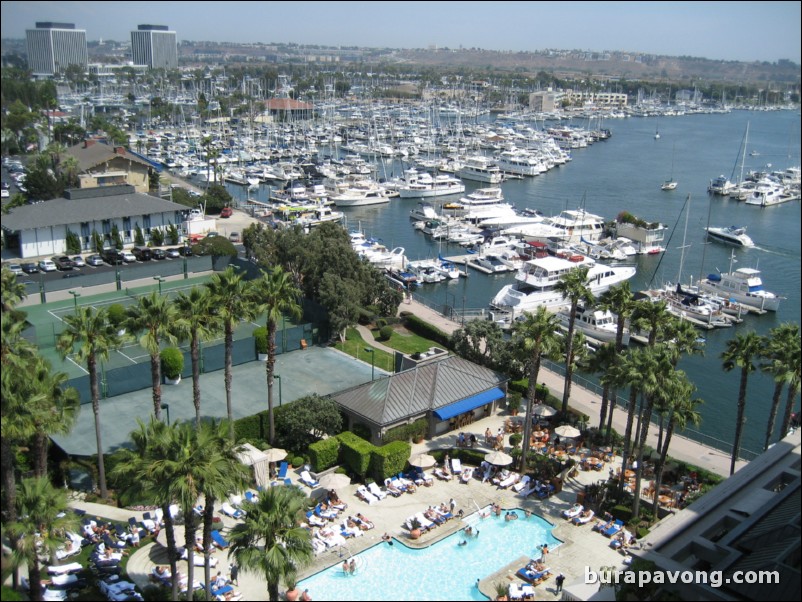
559,581
452,505
233,571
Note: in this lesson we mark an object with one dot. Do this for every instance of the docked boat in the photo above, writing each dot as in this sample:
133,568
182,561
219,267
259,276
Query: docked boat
734,235
426,186
424,212
599,325
479,168
535,282
768,193
743,285
361,193
721,186
520,163
691,306
491,263
577,224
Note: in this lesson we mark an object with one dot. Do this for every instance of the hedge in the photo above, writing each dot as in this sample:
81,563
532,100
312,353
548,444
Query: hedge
324,453
260,339
389,460
426,330
405,432
172,362
355,453
116,314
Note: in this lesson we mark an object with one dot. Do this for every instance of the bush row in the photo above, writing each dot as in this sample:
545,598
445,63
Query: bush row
426,330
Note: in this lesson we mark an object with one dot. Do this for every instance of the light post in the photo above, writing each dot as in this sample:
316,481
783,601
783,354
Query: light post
463,310
278,378
75,295
451,307
166,408
372,361
160,280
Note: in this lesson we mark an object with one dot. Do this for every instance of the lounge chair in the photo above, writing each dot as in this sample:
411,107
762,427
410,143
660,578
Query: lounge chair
456,466
232,512
583,518
236,500
420,478
545,491
251,497
504,474
307,479
467,474
314,520
613,529
376,490
510,480
520,485
528,489
64,569
573,511
392,488
218,540
515,592
534,577
282,471
442,474
222,591
528,592
363,493
425,522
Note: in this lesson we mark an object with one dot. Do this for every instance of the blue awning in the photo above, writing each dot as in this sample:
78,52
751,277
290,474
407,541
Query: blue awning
468,404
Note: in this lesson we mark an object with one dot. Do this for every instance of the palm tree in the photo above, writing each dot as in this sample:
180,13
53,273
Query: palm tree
197,322
38,531
537,332
277,294
599,363
233,302
783,340
154,317
13,291
53,409
573,287
269,541
90,336
682,411
651,317
741,352
795,359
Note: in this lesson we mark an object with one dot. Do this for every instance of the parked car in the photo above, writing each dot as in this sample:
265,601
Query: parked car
15,269
226,212
172,253
142,253
128,257
112,257
158,254
94,260
63,263
186,251
47,266
234,237
78,261
29,267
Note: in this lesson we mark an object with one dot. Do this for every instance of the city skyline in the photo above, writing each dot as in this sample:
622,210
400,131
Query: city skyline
768,31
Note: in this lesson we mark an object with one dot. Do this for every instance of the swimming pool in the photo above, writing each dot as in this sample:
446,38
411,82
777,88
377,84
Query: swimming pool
443,571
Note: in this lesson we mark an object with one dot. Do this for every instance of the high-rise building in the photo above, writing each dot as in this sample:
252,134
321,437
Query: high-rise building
52,47
154,46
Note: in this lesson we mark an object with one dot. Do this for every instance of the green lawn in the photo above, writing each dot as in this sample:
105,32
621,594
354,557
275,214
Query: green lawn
406,342
355,346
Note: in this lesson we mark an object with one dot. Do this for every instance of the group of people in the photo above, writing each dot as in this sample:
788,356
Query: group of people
349,567
464,440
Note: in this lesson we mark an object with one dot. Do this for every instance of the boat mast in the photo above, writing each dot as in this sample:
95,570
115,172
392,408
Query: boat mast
684,235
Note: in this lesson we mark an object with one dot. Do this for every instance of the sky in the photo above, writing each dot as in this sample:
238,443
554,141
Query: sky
739,31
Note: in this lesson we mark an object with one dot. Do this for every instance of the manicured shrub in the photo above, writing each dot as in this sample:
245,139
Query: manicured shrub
172,362
116,313
355,453
297,461
323,454
260,339
389,460
426,330
385,333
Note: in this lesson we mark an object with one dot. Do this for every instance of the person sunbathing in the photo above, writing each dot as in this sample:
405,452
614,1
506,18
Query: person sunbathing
583,517
363,522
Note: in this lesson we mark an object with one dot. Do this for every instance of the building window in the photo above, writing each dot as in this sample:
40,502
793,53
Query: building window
146,222
126,223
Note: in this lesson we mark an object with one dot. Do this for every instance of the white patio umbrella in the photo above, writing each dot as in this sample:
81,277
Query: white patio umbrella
498,458
334,480
275,454
422,461
543,410
567,431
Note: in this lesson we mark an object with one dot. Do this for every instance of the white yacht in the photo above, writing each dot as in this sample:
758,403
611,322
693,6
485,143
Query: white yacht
535,282
767,193
424,212
359,193
743,285
578,224
597,324
521,163
426,186
479,168
478,200
492,263
721,186
735,235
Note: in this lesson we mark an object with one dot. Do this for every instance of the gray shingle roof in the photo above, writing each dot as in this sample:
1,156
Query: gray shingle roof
58,212
413,392
98,153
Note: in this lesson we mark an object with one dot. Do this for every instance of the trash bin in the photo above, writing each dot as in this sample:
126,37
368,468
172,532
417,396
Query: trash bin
580,497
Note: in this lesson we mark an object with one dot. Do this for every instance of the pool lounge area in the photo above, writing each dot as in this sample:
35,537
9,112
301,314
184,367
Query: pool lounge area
445,570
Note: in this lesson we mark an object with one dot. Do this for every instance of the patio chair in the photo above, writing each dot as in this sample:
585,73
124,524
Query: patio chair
520,485
251,497
231,512
365,495
467,475
376,490
282,471
218,540
613,529
510,480
456,466
392,487
307,479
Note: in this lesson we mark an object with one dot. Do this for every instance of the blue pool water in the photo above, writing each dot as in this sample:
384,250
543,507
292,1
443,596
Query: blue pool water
443,571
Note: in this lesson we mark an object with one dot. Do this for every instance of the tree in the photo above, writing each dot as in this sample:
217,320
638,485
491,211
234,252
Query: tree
232,299
619,300
599,363
741,353
269,541
307,420
153,317
276,295
478,341
782,353
89,335
573,287
536,335
793,385
39,527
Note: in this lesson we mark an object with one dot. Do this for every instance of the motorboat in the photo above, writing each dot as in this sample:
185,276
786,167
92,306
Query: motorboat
743,285
492,263
668,185
521,163
478,200
720,185
597,324
690,305
536,280
360,193
479,168
735,235
768,193
424,212
578,224
425,186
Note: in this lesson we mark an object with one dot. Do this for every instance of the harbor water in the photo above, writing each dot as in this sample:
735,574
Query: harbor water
624,173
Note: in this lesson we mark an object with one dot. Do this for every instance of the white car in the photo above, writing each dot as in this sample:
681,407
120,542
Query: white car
78,261
47,266
15,269
128,257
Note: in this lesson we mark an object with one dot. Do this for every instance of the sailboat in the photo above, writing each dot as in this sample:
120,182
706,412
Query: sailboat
670,184
657,130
